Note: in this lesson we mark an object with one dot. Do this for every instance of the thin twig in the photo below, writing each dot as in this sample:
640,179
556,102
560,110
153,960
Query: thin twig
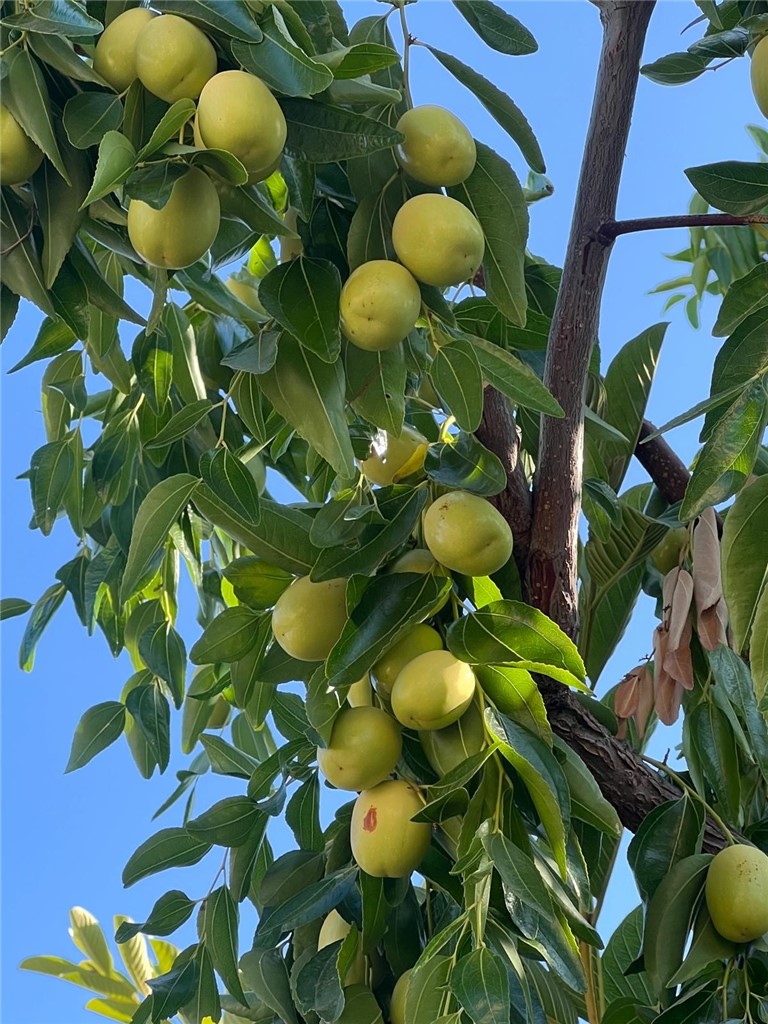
609,231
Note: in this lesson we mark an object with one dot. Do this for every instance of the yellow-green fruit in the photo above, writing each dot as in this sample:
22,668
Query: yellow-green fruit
438,239
466,533
438,148
174,59
115,55
418,560
290,248
449,747
184,229
220,712
19,156
237,112
737,893
385,842
398,457
418,640
309,617
364,747
666,555
759,74
399,993
433,691
380,304
360,1007
335,929
246,292
360,694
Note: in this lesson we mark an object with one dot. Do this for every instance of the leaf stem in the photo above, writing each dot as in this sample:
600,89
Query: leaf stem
662,767
406,52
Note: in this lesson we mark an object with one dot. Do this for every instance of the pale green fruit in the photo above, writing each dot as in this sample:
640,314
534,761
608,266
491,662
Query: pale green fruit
418,560
360,694
182,231
115,55
432,691
438,239
19,156
380,304
309,617
360,1007
418,640
237,112
174,59
364,747
447,748
335,929
398,457
290,248
759,74
666,555
737,893
438,147
466,533
399,993
247,292
385,842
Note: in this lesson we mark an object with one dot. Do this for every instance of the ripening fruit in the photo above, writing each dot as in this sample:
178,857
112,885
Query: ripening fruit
360,694
174,59
449,747
360,1007
399,994
418,640
385,842
309,617
402,456
19,156
417,560
290,248
433,691
183,230
115,55
666,555
364,747
438,239
246,292
466,533
759,74
438,148
737,893
334,928
237,112
380,304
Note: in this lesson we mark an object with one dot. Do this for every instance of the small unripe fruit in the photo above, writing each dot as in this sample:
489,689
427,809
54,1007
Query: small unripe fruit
19,156
380,304
360,694
309,617
334,929
246,292
438,239
184,229
759,74
418,560
447,748
364,747
238,113
385,842
115,55
399,993
466,533
290,248
400,457
737,893
666,555
360,1007
174,59
438,148
418,640
433,691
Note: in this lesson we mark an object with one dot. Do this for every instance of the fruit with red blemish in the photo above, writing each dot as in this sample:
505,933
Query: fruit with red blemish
386,843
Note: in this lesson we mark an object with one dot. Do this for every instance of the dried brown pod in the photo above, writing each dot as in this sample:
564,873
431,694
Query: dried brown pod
711,610
667,692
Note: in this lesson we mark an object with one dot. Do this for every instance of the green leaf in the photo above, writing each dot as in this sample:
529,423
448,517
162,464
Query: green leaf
51,470
302,815
205,1002
115,162
152,715
100,725
376,386
427,989
309,394
676,68
226,759
221,922
227,823
727,459
710,750
59,53
732,185
169,913
22,271
742,359
669,833
733,675
480,984
744,297
157,514
278,61
180,424
587,801
501,108
165,655
370,232
361,59
456,374
312,901
744,558
228,477
496,27
154,182
266,975
303,296
229,637
465,464
323,133
172,990
175,117
9,305
168,848
317,984
623,949
58,208
512,633
515,694
26,96
228,17
10,607
39,617
513,378
54,17
89,115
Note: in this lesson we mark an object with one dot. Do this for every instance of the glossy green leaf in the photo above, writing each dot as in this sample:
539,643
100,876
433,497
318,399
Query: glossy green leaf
265,973
22,270
744,558
710,749
323,133
457,377
676,68
10,607
227,823
115,162
623,949
88,116
169,913
229,637
175,117
734,186
168,848
151,713
312,901
228,477
225,16
465,464
100,725
278,61
25,93
376,386
302,815
669,833
741,360
303,296
514,379
745,296
480,984
587,801
221,940
58,208
41,614
496,27
180,424
173,990
51,469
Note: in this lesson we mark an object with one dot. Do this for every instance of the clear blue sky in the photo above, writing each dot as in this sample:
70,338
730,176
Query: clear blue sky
66,838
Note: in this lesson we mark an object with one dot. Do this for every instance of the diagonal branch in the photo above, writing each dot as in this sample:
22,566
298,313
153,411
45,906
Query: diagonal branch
609,231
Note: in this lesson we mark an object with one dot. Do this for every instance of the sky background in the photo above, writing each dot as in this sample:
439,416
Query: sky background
65,839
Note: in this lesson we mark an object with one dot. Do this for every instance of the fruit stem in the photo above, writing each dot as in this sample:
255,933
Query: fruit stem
662,767
406,53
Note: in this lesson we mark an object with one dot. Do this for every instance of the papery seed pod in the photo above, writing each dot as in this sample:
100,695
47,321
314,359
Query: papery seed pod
645,700
667,692
626,698
707,581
